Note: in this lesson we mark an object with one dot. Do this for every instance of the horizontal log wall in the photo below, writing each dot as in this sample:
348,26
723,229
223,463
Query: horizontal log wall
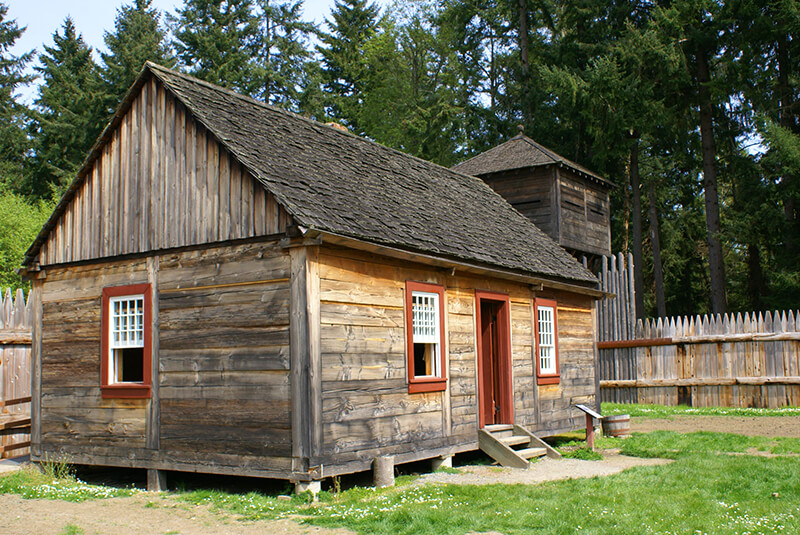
224,352
15,371
531,192
74,419
223,364
366,405
750,360
162,181
584,214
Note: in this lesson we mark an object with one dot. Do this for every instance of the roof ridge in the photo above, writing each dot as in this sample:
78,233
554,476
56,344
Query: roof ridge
541,148
293,115
240,96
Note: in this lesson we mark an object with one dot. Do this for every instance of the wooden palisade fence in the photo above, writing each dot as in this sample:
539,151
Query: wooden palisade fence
616,318
741,360
15,374
732,360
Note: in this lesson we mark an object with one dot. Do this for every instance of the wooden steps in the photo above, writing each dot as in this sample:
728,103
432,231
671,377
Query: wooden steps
513,445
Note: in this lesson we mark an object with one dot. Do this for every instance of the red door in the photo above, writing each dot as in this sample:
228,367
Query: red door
495,394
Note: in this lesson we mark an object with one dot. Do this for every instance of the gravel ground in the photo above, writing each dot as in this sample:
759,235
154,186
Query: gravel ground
543,470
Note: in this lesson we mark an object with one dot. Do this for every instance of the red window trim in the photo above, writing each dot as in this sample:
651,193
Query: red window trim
546,378
125,390
428,384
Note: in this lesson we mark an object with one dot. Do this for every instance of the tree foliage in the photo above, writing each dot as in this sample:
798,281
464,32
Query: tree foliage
138,37
14,115
671,100
285,55
71,111
20,222
343,56
217,40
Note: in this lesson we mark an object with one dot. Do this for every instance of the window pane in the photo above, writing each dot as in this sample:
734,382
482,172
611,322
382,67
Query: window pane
425,317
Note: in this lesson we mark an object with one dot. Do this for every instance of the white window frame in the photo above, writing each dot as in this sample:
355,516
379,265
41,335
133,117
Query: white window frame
426,325
548,364
123,335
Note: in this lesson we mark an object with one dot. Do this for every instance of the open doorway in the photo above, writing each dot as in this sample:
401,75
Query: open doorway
495,391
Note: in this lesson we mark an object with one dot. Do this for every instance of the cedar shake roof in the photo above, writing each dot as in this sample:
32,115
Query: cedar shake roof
520,152
339,183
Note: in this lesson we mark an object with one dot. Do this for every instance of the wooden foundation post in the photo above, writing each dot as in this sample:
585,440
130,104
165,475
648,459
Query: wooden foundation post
445,461
156,480
314,487
383,471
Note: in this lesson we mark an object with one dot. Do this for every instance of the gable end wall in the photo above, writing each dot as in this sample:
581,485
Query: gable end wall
162,181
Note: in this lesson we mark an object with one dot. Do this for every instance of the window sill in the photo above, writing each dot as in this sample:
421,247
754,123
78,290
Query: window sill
125,391
548,380
427,385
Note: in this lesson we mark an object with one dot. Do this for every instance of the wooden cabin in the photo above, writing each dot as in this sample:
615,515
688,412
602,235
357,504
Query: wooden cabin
567,201
230,288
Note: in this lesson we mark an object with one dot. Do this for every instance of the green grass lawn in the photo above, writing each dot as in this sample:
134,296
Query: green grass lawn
713,486
663,411
30,482
706,490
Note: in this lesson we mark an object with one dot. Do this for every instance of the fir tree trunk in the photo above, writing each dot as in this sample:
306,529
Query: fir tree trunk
755,277
524,60
655,242
636,216
787,120
716,264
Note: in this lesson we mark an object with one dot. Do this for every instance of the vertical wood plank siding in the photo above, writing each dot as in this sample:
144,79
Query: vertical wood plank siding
17,319
570,209
161,182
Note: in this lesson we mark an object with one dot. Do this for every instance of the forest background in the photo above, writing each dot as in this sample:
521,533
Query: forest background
689,106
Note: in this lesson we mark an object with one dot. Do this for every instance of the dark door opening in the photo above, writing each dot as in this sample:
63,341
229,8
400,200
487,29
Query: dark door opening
494,360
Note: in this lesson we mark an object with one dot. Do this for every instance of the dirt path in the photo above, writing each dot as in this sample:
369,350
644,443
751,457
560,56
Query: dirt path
143,513
767,426
543,470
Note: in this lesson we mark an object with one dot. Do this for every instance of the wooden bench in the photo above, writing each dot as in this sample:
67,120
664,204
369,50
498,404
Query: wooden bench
12,424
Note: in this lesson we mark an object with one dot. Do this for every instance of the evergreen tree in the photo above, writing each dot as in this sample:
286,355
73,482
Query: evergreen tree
13,115
137,37
762,59
218,41
482,36
284,53
412,102
345,71
71,110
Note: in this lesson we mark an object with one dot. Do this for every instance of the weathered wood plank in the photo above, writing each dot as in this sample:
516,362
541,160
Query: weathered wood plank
300,358
154,415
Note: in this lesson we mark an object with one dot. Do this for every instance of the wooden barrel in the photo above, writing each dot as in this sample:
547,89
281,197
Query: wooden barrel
617,426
